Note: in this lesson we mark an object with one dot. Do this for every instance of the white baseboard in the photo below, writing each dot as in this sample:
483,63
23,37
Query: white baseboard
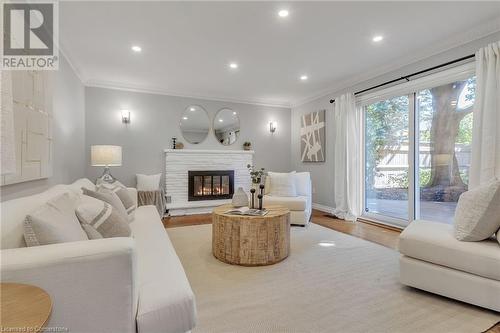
323,208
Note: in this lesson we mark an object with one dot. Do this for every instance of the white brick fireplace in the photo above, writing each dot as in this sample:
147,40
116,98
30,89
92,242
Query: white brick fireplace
179,161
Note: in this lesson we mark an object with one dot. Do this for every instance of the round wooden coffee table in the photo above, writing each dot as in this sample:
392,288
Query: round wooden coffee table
251,240
25,308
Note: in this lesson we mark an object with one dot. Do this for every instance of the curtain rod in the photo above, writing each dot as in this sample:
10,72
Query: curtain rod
407,77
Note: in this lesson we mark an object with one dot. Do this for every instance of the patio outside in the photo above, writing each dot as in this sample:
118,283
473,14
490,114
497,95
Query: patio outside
444,117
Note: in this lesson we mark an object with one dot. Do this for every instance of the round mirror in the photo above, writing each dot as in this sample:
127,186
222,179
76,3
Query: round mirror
227,126
195,124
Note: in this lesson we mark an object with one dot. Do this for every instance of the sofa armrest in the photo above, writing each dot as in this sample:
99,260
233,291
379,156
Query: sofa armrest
91,283
133,193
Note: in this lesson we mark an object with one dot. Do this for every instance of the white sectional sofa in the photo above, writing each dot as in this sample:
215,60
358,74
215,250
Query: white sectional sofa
432,259
127,284
300,206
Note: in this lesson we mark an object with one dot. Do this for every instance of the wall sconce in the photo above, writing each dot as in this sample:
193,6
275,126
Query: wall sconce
272,126
125,116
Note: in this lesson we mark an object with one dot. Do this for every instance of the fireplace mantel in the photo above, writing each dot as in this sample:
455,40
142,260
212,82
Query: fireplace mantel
201,151
178,162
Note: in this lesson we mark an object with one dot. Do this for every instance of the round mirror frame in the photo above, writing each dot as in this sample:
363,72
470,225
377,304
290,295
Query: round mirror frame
236,131
186,113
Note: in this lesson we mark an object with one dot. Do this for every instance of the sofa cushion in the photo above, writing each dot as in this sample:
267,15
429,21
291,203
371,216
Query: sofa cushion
435,242
100,220
148,182
282,184
166,301
54,222
123,194
477,216
303,183
109,197
292,203
13,212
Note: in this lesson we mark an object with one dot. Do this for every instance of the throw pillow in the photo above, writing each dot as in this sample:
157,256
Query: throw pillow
283,184
110,197
123,194
148,182
303,183
54,222
100,220
267,185
477,215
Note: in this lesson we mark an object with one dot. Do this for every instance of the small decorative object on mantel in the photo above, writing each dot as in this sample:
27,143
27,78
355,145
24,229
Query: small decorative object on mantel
179,145
174,143
247,145
240,198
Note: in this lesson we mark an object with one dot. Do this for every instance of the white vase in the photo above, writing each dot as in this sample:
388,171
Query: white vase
240,198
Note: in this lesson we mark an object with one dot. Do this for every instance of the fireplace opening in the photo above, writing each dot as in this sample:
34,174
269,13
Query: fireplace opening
210,185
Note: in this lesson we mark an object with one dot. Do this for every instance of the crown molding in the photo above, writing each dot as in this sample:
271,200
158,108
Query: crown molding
76,70
461,39
160,91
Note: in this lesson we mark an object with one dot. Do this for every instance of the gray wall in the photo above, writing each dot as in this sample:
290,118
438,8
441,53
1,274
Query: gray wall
69,135
322,173
155,120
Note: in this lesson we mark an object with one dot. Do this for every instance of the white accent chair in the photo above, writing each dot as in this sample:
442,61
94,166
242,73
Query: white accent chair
432,259
300,206
124,284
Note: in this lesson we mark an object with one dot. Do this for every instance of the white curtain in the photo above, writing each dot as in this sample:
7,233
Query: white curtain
7,135
485,162
347,158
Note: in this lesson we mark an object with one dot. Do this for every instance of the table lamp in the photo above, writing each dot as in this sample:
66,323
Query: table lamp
106,156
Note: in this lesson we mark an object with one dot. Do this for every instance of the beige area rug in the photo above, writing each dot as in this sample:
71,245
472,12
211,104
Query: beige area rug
350,286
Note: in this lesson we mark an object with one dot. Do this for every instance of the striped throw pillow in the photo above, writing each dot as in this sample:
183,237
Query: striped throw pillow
122,193
100,220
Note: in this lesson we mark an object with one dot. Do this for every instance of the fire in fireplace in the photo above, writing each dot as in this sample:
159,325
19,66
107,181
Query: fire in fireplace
210,185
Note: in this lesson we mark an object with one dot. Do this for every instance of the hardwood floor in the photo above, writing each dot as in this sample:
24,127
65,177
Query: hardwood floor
377,234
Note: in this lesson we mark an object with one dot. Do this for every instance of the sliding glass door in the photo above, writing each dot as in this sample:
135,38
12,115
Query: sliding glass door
444,141
386,157
417,150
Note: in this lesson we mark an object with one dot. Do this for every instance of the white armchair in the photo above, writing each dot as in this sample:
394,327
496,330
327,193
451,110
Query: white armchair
300,206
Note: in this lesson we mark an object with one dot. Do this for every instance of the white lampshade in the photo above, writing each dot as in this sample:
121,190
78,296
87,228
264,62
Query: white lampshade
103,155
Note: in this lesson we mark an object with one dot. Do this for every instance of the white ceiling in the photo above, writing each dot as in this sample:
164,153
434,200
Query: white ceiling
187,46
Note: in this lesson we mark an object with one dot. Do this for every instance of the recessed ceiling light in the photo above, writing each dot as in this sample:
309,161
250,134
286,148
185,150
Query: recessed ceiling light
303,77
234,113
136,48
283,13
221,120
185,118
326,243
378,38
233,65
192,109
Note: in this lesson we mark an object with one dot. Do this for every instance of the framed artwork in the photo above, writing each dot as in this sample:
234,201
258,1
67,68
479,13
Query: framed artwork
28,97
312,137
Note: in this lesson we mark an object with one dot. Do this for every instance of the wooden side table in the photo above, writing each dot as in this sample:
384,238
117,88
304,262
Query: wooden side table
24,308
251,240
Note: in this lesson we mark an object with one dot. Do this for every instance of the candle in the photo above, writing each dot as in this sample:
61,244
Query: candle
253,198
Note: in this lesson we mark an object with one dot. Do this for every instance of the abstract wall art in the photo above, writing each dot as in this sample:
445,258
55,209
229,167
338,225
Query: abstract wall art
29,96
312,137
